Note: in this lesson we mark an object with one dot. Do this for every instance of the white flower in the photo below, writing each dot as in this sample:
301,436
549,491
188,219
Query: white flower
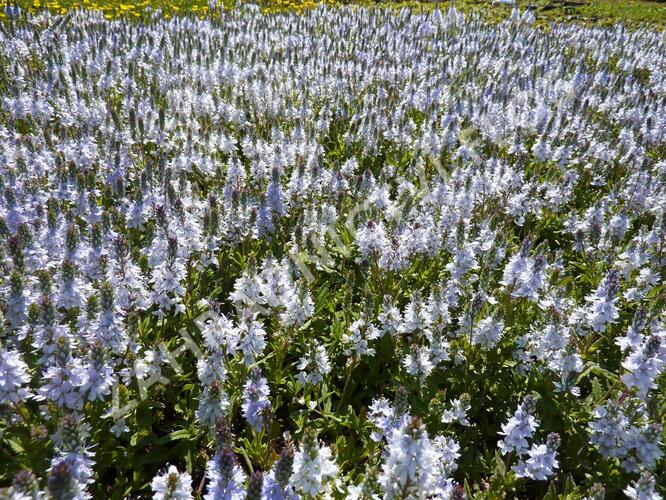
447,452
457,412
540,465
247,291
13,377
219,333
252,338
487,332
313,467
225,477
256,405
418,363
371,239
519,428
390,318
602,309
298,306
524,275
410,465
313,366
621,432
357,339
211,369
172,485
213,404
386,418
62,384
119,428
644,364
643,489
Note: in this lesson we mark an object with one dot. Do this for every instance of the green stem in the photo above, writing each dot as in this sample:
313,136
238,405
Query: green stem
346,387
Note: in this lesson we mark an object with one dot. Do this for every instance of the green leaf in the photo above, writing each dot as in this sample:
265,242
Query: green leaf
175,436
18,449
585,372
606,374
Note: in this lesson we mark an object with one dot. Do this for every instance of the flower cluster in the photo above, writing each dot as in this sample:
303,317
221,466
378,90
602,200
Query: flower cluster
516,431
281,256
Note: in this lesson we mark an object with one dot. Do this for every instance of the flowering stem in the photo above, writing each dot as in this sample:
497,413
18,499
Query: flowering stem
345,389
507,461
201,484
267,455
20,412
608,393
162,329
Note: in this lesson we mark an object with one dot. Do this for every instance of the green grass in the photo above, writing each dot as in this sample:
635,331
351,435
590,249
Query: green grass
629,11
633,13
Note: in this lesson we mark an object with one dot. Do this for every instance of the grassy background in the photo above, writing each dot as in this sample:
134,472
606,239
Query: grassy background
631,12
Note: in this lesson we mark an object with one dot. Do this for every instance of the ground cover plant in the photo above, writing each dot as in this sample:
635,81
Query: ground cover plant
348,253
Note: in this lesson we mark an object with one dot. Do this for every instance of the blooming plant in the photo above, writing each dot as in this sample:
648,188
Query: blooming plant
348,253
